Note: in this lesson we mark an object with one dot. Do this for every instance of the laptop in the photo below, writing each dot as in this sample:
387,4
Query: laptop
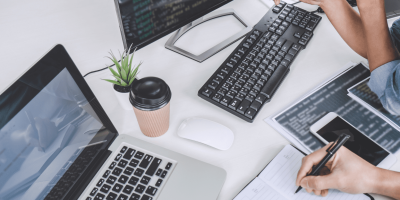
56,142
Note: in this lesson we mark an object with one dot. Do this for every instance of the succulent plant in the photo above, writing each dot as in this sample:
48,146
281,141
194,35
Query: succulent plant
125,73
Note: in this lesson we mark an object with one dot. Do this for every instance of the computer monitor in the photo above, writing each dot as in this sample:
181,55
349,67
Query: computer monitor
143,21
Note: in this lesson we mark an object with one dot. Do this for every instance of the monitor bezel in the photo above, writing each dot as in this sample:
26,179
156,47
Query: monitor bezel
166,32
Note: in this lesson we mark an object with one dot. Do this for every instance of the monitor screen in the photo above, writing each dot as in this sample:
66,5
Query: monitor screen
144,21
47,122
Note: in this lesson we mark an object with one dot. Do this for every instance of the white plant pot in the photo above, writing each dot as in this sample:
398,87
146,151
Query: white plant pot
123,99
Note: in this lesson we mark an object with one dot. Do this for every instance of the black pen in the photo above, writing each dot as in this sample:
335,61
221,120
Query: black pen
331,151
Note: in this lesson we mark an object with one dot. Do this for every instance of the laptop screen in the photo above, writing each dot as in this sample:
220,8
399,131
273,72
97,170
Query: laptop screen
46,123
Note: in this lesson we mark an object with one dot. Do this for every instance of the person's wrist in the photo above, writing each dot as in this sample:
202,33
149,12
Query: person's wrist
375,180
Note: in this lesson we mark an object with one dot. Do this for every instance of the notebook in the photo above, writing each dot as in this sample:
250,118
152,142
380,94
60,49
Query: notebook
277,181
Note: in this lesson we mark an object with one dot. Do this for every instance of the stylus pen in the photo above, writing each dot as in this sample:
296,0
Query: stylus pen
331,151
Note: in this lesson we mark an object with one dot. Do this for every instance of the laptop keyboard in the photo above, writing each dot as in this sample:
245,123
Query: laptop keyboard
132,174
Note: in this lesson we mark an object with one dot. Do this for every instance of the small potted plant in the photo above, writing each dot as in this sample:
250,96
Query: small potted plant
124,77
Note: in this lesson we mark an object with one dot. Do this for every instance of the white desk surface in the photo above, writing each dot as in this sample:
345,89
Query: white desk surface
89,29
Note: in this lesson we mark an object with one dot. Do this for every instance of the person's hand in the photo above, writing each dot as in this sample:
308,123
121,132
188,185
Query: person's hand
345,171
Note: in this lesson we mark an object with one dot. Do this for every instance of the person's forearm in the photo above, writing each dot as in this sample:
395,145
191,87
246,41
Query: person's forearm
386,183
348,24
380,49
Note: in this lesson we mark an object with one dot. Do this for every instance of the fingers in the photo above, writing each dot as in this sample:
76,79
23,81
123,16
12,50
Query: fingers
317,183
309,161
277,2
324,193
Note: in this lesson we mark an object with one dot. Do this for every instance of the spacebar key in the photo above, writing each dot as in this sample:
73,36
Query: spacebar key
275,80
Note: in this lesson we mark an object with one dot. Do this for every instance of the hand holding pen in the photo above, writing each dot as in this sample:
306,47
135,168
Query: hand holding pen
348,173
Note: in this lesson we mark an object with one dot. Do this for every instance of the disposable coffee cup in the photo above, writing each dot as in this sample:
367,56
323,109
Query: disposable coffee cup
150,98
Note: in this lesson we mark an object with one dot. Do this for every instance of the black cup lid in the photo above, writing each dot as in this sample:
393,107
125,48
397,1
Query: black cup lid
150,93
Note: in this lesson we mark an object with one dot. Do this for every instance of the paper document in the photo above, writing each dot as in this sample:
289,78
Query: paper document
277,181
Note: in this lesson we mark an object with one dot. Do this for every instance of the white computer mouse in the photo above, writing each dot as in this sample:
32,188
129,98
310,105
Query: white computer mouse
207,132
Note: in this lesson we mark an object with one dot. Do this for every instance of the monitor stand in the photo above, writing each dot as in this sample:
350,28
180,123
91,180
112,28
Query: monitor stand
205,55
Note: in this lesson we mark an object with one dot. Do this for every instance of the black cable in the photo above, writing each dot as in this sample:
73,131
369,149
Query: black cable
97,70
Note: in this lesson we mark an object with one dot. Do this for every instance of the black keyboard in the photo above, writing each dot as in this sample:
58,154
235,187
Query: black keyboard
249,77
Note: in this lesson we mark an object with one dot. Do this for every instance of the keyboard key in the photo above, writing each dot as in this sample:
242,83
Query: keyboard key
230,94
99,183
127,189
112,165
122,197
225,101
111,196
99,196
159,182
276,10
255,105
111,180
250,113
261,98
117,188
212,85
292,52
242,50
250,97
207,92
89,198
133,180
128,155
153,167
122,163
105,175
145,180
297,34
105,189
94,191
285,63
226,86
240,97
231,63
226,69
151,190
128,171
159,171
117,171
310,26
302,41
138,172
289,57
308,33
253,92
296,47
145,197
146,161
140,188
287,46
134,163
135,197
222,75
118,157
279,32
243,107
123,179
217,97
